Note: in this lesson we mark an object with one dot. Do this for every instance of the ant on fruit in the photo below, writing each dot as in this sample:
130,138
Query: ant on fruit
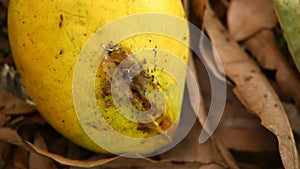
109,49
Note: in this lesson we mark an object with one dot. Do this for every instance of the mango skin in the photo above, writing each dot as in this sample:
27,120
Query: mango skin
46,38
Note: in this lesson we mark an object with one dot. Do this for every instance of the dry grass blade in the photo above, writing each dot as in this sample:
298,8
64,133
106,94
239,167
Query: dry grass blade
253,89
71,162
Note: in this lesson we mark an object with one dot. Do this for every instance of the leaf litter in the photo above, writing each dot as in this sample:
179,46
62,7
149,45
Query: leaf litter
27,141
253,89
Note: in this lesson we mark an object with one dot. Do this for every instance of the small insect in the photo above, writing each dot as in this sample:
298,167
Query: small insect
111,47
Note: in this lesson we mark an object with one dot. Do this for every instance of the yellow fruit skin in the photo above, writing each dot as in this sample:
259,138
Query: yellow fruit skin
46,38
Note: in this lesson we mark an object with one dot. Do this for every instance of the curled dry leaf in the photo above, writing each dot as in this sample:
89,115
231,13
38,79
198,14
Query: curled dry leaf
71,162
266,51
11,136
37,161
245,17
253,89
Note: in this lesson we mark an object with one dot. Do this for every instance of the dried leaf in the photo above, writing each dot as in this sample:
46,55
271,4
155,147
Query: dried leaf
294,116
5,149
10,105
245,17
241,131
198,7
265,49
20,158
190,150
11,136
5,3
37,161
2,119
228,158
253,89
71,162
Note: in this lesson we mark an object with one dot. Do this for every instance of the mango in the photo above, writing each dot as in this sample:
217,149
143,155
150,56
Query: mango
95,81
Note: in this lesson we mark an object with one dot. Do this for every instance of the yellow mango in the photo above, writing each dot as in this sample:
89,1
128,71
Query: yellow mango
51,42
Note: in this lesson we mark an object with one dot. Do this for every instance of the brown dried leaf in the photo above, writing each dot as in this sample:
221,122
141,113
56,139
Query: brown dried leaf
189,150
253,89
20,158
245,17
212,148
5,3
37,161
198,7
265,49
294,116
10,105
2,119
242,131
11,136
227,156
71,162
5,149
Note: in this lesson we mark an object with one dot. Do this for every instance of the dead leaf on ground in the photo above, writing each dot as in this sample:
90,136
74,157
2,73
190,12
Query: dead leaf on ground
71,162
241,131
253,89
10,105
37,161
265,49
294,116
4,3
245,17
11,136
198,8
20,158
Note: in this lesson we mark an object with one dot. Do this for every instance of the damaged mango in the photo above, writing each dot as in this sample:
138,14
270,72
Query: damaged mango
47,40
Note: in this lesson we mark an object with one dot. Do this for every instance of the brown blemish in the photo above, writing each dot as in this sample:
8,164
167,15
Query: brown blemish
106,91
144,128
61,52
248,78
140,84
227,39
61,20
164,122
